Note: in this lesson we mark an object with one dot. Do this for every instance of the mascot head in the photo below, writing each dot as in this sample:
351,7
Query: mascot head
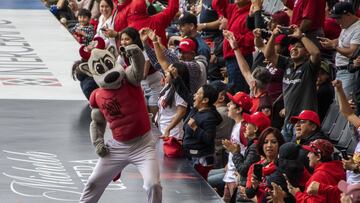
101,65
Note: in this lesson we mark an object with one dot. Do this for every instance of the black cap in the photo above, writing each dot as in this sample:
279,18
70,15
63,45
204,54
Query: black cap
188,18
341,8
289,151
218,85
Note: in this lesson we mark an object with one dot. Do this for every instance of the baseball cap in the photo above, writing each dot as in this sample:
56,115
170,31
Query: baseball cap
306,115
279,38
218,85
187,45
349,189
281,18
325,66
242,99
341,8
259,119
187,18
289,151
320,146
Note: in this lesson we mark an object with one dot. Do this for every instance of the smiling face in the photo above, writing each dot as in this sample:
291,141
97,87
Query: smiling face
198,98
125,40
105,9
298,51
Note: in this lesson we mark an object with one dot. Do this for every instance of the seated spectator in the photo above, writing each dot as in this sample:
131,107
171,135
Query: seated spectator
327,172
268,146
83,31
325,90
299,83
308,129
288,163
223,130
200,130
255,124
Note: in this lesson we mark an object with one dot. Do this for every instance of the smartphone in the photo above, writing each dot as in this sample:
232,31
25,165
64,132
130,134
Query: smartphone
286,30
258,171
344,155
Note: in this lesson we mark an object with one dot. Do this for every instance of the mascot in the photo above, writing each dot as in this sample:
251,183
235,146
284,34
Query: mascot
120,102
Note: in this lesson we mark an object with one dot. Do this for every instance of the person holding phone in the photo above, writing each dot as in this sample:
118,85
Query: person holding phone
268,146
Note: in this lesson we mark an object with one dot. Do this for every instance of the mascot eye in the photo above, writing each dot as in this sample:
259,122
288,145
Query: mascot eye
108,63
100,68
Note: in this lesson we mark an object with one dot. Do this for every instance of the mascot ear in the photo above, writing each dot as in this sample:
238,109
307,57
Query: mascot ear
112,50
84,67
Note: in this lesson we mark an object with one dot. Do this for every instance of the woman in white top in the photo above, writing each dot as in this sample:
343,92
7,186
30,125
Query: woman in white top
106,21
173,101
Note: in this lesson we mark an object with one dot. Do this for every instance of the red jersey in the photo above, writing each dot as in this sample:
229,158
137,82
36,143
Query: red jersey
313,10
124,109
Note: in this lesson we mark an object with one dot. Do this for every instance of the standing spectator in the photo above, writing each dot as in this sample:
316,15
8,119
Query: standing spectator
299,83
325,90
348,113
332,29
258,80
188,28
233,18
83,31
255,124
239,103
327,172
308,129
200,130
309,16
347,43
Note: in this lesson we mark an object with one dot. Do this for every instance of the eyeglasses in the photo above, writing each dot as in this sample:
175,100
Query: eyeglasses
302,122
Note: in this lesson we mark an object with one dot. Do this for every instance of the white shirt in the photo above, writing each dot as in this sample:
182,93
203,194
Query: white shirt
348,36
235,138
109,23
165,115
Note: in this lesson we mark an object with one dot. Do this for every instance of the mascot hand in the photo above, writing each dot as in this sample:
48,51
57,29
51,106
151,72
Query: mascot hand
132,50
100,148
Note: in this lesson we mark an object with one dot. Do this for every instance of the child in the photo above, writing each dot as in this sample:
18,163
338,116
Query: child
83,31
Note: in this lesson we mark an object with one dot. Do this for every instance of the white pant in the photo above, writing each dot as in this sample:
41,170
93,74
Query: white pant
141,152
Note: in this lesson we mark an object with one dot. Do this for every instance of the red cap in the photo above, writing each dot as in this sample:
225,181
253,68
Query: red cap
281,18
187,45
306,115
320,146
279,38
242,99
259,119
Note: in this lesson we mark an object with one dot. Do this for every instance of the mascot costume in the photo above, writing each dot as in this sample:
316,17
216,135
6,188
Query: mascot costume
120,102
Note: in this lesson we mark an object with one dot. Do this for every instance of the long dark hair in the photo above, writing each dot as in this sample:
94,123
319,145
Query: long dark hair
134,35
263,136
109,2
184,76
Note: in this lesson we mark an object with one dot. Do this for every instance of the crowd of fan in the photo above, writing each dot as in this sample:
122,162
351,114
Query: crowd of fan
241,92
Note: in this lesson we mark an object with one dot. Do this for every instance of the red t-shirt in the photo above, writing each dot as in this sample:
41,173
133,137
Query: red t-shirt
313,10
331,28
124,109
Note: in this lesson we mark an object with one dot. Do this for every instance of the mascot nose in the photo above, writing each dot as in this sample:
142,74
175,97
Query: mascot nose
112,77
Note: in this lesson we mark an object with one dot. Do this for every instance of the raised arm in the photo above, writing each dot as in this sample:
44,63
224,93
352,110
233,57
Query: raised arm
243,65
345,108
269,51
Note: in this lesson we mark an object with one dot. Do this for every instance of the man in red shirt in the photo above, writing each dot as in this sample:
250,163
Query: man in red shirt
309,16
234,15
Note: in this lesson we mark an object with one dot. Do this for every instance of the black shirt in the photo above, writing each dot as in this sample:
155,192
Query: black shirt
299,86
